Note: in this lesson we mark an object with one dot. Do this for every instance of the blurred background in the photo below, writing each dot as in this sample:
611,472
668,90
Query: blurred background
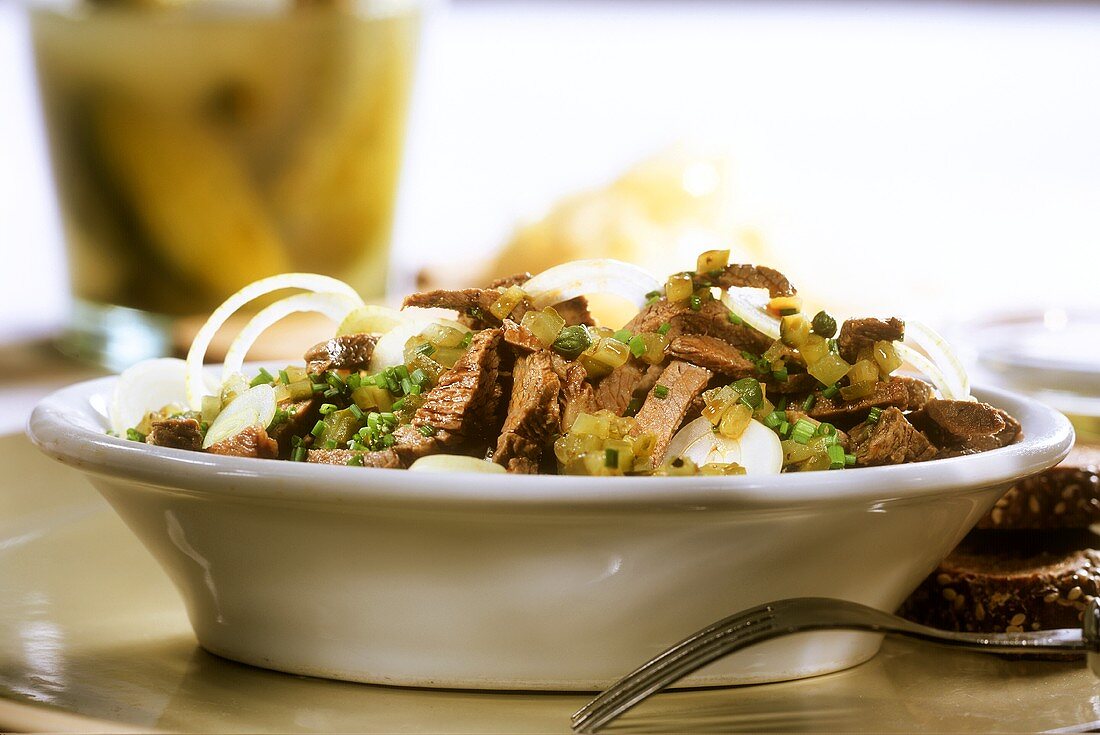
932,158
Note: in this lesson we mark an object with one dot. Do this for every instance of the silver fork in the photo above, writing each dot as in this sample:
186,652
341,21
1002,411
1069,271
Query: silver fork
801,614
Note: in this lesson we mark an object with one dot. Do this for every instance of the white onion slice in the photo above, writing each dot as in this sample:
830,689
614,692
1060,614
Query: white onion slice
197,353
954,378
751,305
255,407
758,449
455,463
596,275
147,386
390,349
333,305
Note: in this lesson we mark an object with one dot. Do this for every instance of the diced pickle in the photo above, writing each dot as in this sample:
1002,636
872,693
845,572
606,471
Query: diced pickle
509,299
829,369
679,287
655,346
545,325
813,349
886,356
712,260
794,330
441,335
735,421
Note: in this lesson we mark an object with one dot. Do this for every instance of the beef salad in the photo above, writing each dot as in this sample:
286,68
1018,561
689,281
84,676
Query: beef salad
718,373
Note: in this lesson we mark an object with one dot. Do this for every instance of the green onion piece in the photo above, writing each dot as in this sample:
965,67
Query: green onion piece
416,390
401,372
836,457
387,441
353,381
809,402
782,405
327,408
406,386
663,329
356,412
802,431
695,302
788,312
263,377
781,375
356,461
372,421
334,380
623,335
752,395
611,458
279,417
284,378
652,297
319,387
637,345
134,435
425,349
831,391
295,441
388,417
849,460
299,454
418,377
873,415
398,404
774,419
660,391
784,429
330,444
318,428
734,319
426,429
466,340
825,429
332,392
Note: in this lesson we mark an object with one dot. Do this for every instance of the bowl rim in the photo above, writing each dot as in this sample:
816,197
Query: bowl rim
1048,437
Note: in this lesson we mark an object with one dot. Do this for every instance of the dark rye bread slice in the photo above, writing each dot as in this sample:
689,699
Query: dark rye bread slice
1010,581
1066,496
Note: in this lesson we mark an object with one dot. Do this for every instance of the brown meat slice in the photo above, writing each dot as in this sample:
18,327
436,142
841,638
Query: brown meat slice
346,352
520,337
714,354
252,441
472,304
383,459
633,378
574,311
890,440
796,383
907,394
860,334
966,427
176,433
748,276
301,416
577,394
662,416
534,415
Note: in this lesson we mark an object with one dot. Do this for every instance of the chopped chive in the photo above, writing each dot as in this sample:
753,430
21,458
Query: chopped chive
652,297
825,429
623,335
611,457
418,377
387,441
802,431
318,428
356,412
695,302
299,454
849,460
873,415
637,346
660,391
401,372
319,387
781,375
332,392
417,390
831,391
809,402
330,444
784,429
782,405
262,378
836,457
466,340
734,319
134,435
406,386
426,429
398,404
334,380
284,378
774,419
356,461
425,349
327,408
354,381
295,441
663,329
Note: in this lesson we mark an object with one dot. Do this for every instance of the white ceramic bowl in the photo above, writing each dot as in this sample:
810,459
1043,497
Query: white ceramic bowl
506,582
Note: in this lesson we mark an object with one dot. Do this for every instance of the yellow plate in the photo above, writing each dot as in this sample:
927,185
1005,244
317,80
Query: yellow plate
94,637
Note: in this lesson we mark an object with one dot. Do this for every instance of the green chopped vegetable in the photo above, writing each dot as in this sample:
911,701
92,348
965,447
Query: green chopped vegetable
660,391
611,457
836,457
572,341
637,345
809,402
623,335
356,461
663,329
823,324
135,436
734,319
873,415
299,454
426,429
802,431
752,395
327,408
831,392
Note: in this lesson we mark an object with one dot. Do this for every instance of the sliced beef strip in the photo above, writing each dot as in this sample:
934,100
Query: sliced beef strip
712,319
794,414
250,442
520,337
460,410
662,416
577,394
346,352
907,394
384,459
966,427
176,433
890,440
634,378
795,384
860,334
534,415
574,311
748,276
714,354
301,416
472,304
